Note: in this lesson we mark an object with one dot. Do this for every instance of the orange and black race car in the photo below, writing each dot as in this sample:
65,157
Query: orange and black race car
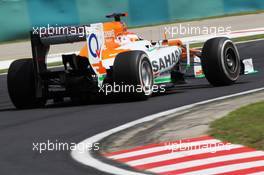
114,60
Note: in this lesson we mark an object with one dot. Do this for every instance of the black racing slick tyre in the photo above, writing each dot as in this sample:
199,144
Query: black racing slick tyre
132,71
220,61
21,85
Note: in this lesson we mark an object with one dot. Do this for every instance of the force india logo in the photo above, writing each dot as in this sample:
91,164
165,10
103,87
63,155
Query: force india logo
166,61
95,52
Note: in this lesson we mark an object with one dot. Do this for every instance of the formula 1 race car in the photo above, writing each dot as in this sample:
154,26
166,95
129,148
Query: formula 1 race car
114,56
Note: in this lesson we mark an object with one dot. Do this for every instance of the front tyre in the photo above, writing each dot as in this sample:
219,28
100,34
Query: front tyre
21,85
133,71
220,61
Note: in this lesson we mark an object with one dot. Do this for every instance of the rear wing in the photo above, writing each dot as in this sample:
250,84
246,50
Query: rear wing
42,39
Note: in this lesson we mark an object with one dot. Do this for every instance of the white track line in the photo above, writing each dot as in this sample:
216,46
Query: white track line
200,162
227,168
233,35
258,173
193,39
50,67
86,158
52,58
6,65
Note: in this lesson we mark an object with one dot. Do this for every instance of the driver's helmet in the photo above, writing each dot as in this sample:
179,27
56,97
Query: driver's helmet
126,37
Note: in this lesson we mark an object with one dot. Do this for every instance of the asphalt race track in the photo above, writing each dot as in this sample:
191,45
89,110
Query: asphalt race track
67,123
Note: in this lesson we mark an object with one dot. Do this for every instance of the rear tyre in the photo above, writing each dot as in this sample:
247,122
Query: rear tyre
220,61
21,85
133,71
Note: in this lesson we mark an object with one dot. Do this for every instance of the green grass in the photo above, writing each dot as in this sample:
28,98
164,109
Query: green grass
240,39
248,38
59,63
194,45
243,126
2,71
